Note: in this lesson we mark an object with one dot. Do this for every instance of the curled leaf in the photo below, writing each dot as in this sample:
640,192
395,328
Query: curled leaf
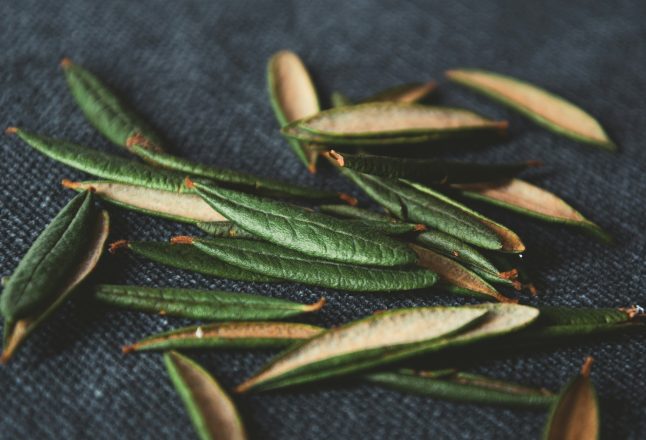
211,410
293,96
271,260
547,109
525,198
183,207
201,304
360,344
575,416
228,335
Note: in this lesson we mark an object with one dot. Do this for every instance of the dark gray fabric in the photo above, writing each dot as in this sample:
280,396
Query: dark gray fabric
196,70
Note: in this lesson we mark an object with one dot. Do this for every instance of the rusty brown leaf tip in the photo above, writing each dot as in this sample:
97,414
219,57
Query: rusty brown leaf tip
4,358
66,62
509,275
11,130
635,311
587,365
311,168
420,227
318,305
189,183
126,349
114,247
337,157
182,239
67,183
347,198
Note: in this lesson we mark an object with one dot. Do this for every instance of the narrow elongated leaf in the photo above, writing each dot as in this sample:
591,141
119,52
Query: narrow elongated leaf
190,258
105,111
350,347
305,231
50,261
525,198
394,120
231,178
551,111
405,93
102,164
428,171
455,275
510,240
412,205
228,335
271,260
575,416
201,304
463,387
189,208
382,222
16,332
293,96
211,410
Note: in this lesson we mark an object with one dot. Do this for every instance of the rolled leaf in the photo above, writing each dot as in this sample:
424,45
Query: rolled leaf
105,111
293,96
362,343
511,242
211,410
228,335
531,200
463,387
389,123
201,304
50,260
189,208
410,204
575,416
231,178
305,231
190,258
271,260
428,171
16,332
456,276
545,108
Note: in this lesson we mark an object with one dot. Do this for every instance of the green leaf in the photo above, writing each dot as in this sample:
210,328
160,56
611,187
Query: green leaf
457,277
354,346
428,171
211,410
102,164
575,416
405,93
224,229
510,240
50,260
531,200
293,96
389,123
189,258
463,387
412,205
228,335
15,332
305,231
105,111
383,222
201,304
183,207
547,109
230,178
275,261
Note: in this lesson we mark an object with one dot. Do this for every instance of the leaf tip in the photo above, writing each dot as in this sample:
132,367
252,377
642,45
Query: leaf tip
114,247
4,358
126,349
420,227
336,157
315,307
11,130
634,311
587,365
188,183
243,387
509,275
311,167
182,239
66,63
347,198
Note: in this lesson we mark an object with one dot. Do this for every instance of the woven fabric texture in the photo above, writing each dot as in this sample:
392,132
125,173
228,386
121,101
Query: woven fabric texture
196,70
